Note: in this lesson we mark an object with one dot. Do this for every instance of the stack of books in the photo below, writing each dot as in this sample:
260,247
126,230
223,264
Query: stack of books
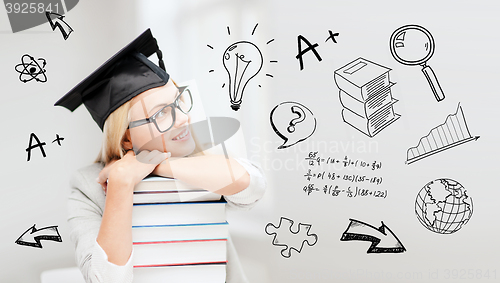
179,233
365,94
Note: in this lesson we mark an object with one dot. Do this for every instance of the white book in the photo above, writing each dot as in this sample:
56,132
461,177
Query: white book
178,213
373,125
155,189
368,107
172,253
200,273
362,78
180,232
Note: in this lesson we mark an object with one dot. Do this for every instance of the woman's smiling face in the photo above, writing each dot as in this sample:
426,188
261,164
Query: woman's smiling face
178,139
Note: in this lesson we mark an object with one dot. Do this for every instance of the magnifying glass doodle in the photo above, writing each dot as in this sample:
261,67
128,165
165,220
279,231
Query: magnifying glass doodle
414,45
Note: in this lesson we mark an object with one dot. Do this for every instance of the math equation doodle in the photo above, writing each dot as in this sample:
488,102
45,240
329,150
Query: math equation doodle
356,181
365,94
454,131
292,122
443,206
284,236
382,239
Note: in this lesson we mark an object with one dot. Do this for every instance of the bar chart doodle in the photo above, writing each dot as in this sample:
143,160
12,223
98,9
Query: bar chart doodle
454,131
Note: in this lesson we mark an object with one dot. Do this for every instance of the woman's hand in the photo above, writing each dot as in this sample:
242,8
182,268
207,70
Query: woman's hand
131,169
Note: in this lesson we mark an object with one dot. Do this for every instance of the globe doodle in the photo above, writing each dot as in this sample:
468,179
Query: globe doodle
443,206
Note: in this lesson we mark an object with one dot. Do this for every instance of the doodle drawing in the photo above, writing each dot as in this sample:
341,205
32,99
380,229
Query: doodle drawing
286,237
414,45
292,122
32,237
311,47
242,61
382,238
365,94
29,69
56,21
443,206
452,132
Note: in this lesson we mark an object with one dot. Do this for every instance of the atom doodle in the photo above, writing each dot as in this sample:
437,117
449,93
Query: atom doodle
30,69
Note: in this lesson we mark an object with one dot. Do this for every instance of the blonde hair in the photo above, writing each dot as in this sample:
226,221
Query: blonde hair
114,130
113,137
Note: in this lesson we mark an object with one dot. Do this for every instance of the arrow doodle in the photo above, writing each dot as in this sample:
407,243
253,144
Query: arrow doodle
65,29
383,239
34,236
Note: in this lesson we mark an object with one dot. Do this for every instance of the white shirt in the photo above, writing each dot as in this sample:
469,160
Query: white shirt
86,206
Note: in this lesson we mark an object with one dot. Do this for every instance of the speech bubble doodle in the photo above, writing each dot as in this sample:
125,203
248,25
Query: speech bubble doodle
293,122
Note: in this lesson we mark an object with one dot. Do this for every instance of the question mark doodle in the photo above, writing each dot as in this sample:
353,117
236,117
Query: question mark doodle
291,123
302,116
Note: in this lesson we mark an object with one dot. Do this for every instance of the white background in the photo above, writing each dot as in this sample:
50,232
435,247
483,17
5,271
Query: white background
465,61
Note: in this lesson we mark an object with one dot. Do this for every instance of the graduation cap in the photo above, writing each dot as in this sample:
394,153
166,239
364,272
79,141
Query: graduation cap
123,76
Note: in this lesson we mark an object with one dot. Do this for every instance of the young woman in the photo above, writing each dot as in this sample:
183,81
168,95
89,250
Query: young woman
140,109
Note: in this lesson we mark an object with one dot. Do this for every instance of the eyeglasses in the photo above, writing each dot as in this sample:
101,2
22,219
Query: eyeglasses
164,118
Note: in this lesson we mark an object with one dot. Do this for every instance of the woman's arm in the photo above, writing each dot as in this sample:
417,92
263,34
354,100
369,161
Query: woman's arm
211,172
85,209
120,178
115,235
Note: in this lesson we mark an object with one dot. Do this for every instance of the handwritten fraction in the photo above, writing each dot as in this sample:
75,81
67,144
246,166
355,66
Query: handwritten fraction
355,182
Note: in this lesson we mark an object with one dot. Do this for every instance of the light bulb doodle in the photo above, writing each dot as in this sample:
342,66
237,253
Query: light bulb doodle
292,122
242,61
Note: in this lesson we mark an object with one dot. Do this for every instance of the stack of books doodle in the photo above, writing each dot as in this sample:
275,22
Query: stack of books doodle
365,94
179,233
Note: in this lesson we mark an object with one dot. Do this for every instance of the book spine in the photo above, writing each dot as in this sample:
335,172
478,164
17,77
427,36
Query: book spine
193,231
144,197
206,273
348,87
371,126
370,106
352,104
179,252
178,213
356,121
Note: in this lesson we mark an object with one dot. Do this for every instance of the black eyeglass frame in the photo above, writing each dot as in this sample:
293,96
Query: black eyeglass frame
175,104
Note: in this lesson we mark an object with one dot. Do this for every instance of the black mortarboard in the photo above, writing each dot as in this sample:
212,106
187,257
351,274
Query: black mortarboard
125,75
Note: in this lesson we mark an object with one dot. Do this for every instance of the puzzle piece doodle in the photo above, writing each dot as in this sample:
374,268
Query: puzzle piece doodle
289,239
